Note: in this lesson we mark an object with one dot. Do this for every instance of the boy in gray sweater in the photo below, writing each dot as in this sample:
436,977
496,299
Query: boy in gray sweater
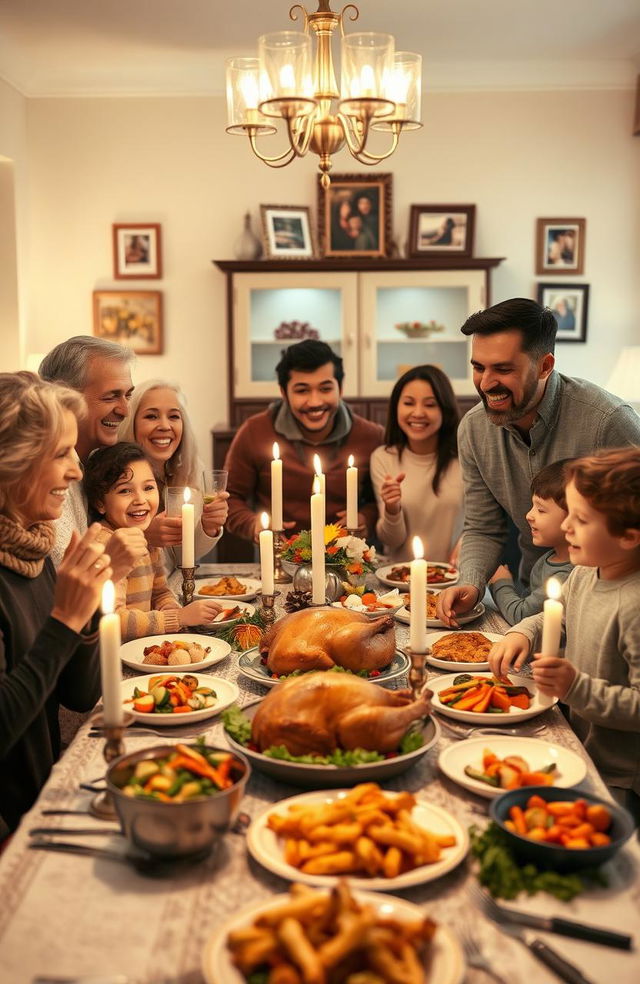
599,678
545,518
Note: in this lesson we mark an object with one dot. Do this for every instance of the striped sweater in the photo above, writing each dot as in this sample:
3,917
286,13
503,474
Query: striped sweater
144,601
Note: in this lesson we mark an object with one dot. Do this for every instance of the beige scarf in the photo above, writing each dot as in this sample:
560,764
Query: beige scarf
24,551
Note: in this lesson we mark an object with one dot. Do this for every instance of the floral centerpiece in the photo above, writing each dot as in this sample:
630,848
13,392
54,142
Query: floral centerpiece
419,329
350,553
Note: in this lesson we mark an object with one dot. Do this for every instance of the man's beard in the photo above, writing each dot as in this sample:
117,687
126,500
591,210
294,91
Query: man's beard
518,410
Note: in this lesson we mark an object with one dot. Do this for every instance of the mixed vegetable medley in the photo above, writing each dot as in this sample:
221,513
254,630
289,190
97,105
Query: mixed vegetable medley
172,695
484,695
511,772
185,774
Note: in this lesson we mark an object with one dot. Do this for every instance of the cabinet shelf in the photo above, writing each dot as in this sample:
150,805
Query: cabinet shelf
428,339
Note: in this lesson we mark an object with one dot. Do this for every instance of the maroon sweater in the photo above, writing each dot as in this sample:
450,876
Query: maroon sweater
249,465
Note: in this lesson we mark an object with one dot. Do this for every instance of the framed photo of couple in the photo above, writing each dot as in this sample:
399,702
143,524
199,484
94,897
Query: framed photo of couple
137,251
560,246
441,229
354,215
569,304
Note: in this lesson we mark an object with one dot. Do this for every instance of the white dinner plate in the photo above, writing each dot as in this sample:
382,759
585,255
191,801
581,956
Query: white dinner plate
537,753
539,702
250,663
226,692
224,603
252,585
267,848
404,615
455,665
383,575
390,609
445,963
132,652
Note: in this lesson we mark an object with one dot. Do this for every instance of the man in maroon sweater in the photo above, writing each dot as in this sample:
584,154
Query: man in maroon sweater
310,418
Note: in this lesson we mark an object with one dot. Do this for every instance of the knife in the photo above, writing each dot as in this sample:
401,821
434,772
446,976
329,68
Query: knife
39,831
567,927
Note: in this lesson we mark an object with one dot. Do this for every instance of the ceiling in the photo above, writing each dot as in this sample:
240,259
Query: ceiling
176,47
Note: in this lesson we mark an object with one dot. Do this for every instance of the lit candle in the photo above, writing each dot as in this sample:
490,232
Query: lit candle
418,588
110,659
188,531
317,544
352,495
276,489
266,556
317,465
552,619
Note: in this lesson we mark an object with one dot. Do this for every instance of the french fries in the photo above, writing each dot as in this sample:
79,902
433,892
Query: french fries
320,937
368,832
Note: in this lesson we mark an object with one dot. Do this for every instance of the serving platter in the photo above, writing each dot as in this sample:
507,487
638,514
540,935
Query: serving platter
404,615
252,585
226,691
457,665
451,575
539,702
267,848
251,665
132,652
323,776
445,963
538,753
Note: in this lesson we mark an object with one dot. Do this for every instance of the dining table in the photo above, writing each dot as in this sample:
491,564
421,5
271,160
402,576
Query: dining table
72,918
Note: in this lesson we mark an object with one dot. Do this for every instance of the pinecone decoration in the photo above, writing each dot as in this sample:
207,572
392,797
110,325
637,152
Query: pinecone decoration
296,600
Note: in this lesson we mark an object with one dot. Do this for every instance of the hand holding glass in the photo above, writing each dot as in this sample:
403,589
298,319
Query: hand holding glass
213,482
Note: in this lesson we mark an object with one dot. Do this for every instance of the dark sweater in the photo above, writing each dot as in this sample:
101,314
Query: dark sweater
42,664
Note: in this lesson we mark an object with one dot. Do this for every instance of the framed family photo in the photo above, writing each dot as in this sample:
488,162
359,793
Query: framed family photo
569,304
354,215
560,246
287,231
132,318
437,229
137,252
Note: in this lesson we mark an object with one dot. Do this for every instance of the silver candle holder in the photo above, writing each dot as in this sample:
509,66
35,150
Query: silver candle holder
267,607
102,806
280,576
188,583
417,671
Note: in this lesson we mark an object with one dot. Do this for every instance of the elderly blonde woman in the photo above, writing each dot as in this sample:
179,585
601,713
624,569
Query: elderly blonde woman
47,656
159,423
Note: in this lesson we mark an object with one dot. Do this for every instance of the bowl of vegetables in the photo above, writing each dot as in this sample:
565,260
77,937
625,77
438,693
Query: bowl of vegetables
562,829
176,801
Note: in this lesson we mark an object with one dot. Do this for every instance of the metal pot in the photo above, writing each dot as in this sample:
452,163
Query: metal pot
303,581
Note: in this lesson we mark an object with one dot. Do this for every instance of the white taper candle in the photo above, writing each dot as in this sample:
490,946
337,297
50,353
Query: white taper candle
110,673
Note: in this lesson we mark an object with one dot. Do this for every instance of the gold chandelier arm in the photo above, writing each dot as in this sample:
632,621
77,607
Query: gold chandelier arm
357,133
293,16
353,17
299,133
280,161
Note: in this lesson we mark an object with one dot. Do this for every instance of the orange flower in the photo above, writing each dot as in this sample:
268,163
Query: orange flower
332,550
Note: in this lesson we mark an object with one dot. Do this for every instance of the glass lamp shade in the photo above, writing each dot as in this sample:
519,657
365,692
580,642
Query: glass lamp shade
286,74
367,62
243,96
403,86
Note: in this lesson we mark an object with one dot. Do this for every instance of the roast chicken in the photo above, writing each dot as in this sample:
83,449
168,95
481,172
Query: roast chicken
317,713
319,638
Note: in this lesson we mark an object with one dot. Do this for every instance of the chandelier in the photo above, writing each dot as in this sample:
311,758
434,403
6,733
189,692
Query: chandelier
380,89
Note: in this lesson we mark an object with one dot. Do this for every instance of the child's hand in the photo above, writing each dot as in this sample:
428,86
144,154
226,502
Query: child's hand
553,675
126,547
164,531
501,573
214,514
513,649
84,569
390,493
199,612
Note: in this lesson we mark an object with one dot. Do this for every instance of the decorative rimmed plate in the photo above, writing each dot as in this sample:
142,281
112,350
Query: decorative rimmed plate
445,963
250,663
456,665
323,776
214,627
267,848
449,575
132,652
226,691
389,609
404,615
539,702
252,585
538,753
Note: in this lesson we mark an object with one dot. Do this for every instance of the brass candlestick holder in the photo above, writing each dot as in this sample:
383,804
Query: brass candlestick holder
267,609
417,671
188,583
101,806
280,576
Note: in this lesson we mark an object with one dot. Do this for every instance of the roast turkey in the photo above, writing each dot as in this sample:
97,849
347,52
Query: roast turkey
317,713
319,638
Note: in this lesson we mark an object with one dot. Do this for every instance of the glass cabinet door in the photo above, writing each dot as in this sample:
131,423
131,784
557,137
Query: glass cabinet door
274,310
414,317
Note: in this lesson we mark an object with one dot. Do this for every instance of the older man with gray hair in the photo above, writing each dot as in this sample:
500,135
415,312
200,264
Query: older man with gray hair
100,370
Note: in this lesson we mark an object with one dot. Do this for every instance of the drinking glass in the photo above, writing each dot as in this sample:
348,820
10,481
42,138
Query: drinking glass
174,500
213,482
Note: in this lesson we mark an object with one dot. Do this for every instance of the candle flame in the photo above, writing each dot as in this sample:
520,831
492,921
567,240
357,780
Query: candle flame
108,598
276,450
554,588
187,494
264,519
418,549
316,485
351,461
317,464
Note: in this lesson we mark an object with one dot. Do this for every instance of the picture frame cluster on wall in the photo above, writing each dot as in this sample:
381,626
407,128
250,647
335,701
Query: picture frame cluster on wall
441,230
354,215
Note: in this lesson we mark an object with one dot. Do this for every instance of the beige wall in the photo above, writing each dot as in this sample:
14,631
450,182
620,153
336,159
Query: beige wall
13,224
516,155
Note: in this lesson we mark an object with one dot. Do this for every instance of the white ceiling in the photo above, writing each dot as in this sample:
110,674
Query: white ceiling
171,47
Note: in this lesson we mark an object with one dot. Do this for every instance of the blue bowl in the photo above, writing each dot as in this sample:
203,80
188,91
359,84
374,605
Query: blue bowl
556,856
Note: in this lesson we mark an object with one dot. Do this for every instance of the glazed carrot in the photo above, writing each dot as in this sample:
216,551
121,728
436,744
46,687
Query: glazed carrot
560,808
469,702
536,779
482,703
536,800
182,709
521,701
500,699
517,816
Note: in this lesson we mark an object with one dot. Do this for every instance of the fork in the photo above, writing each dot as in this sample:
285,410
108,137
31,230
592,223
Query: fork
474,955
472,732
168,732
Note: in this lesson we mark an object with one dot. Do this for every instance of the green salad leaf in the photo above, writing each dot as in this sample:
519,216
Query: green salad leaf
237,724
357,756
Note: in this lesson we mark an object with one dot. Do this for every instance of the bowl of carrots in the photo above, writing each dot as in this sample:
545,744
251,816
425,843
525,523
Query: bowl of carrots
561,828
